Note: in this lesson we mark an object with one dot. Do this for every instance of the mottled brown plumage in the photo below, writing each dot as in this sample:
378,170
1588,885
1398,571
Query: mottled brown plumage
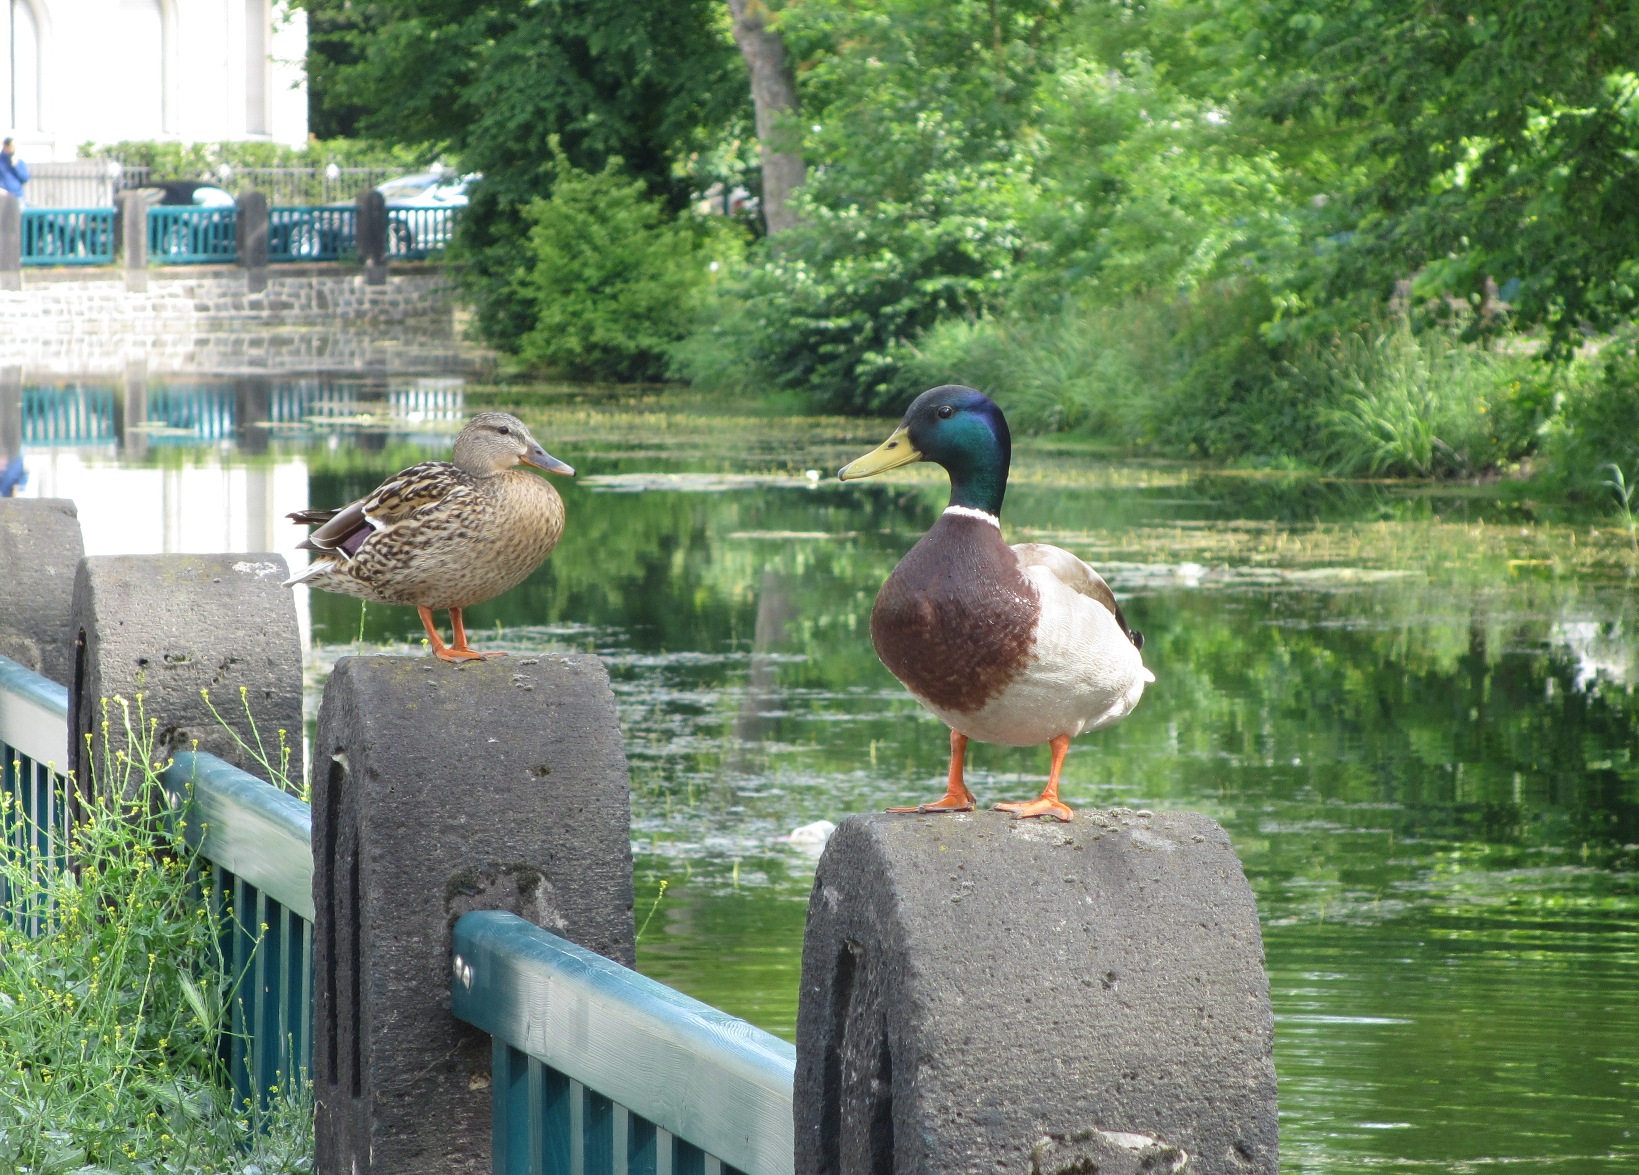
444,534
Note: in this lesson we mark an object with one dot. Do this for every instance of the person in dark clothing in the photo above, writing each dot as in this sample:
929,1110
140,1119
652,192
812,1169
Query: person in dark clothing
13,171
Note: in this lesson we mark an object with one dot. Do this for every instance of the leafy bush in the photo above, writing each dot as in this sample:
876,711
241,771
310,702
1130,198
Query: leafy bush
172,160
1598,423
110,1014
615,282
1426,404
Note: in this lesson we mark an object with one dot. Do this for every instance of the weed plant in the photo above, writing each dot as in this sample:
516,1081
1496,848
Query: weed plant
113,1003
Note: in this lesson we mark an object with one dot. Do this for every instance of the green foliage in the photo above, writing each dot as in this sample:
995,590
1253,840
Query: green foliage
1599,421
109,1015
615,282
201,160
495,83
1425,404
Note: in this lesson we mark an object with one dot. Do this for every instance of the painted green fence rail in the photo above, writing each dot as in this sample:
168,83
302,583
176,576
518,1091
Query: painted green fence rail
303,233
184,235
418,233
599,1069
68,236
258,839
34,810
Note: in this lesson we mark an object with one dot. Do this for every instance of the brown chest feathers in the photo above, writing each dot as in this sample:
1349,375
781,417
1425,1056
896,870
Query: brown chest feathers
956,620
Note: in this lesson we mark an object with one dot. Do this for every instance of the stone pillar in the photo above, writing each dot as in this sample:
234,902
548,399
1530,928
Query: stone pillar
133,238
11,242
372,236
251,234
440,789
983,994
40,546
169,626
11,429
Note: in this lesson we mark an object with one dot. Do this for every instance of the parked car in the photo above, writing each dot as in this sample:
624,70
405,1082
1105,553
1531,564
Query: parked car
194,193
421,210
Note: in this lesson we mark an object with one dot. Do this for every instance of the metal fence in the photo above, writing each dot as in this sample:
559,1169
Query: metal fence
416,233
68,236
302,233
255,836
597,1068
192,236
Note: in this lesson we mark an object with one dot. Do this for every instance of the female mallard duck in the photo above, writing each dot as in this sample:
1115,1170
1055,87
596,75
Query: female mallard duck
444,534
1019,645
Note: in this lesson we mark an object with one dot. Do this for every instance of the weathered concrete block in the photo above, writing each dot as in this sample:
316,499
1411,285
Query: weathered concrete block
440,789
40,547
986,994
11,242
169,626
131,238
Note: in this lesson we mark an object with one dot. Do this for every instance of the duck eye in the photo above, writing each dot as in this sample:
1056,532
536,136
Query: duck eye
945,412
504,431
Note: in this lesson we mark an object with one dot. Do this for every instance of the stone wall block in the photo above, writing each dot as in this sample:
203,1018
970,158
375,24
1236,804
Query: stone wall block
169,626
40,548
439,789
982,994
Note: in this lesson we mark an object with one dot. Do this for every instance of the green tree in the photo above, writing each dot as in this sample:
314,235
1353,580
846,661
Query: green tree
492,83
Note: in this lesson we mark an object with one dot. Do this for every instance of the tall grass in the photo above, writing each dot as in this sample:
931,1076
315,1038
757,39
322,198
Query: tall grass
112,1010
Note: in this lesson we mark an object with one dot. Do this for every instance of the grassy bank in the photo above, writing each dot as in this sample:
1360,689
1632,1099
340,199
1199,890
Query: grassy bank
112,1012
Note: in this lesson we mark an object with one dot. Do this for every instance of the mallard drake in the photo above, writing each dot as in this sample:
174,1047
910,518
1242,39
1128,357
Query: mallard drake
444,534
1019,645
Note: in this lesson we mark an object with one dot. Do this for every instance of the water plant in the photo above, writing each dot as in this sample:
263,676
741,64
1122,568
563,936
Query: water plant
113,991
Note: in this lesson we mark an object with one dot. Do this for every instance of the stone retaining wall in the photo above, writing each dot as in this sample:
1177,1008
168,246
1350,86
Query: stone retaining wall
200,318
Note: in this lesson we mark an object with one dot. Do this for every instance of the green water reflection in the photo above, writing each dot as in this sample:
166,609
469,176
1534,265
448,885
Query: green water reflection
1414,711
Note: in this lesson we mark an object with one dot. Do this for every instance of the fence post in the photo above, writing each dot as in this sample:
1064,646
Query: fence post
169,626
40,546
372,236
133,238
983,994
11,242
251,233
440,789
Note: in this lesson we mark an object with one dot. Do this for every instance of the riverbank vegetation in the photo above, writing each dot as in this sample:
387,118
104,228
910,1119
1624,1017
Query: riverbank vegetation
114,995
1372,238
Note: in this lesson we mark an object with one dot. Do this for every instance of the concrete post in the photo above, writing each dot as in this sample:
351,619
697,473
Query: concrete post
439,789
169,626
372,236
251,235
133,238
11,242
983,994
40,546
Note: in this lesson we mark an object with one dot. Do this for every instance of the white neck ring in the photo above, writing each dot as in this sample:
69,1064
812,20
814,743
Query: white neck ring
970,512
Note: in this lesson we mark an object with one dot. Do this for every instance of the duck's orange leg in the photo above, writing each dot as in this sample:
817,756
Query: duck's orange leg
1048,803
956,798
440,650
460,645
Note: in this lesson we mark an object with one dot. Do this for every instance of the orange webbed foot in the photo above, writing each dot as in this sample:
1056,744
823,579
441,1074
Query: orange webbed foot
945,803
445,653
1025,809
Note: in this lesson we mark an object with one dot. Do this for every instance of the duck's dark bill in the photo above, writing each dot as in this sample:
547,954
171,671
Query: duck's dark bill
897,450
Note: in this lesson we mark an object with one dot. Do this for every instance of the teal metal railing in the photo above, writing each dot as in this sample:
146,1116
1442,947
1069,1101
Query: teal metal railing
192,236
68,236
257,839
34,802
415,233
598,1068
311,234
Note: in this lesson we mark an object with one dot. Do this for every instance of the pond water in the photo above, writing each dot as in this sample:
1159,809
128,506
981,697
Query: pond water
1412,708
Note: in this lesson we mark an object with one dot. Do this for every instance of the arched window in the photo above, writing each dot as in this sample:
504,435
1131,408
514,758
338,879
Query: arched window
139,31
21,66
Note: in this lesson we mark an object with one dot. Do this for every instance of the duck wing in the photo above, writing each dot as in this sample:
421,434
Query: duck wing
1077,576
430,485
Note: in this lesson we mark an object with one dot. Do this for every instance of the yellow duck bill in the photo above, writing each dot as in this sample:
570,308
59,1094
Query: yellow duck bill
897,450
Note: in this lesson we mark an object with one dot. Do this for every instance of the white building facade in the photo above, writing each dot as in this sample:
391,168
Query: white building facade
103,71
